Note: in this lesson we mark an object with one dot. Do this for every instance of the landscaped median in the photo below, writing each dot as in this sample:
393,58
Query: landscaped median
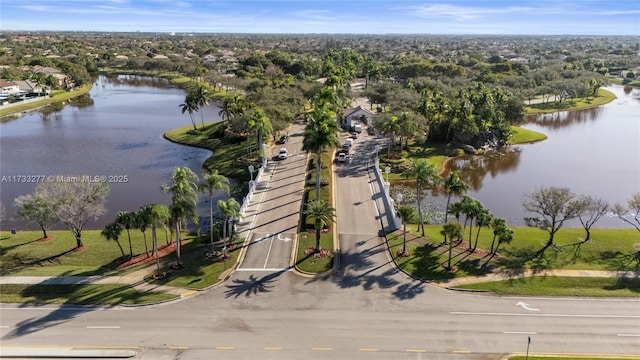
611,250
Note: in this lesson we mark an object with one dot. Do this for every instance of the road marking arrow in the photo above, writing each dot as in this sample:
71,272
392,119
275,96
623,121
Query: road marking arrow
285,239
526,306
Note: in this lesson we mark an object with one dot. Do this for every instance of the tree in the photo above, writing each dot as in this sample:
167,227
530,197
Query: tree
143,221
451,230
453,185
261,124
128,220
505,236
78,200
202,97
634,209
212,182
426,175
184,200
189,106
229,209
483,219
407,214
39,208
592,210
322,215
497,224
408,127
112,232
554,205
390,128
320,134
159,215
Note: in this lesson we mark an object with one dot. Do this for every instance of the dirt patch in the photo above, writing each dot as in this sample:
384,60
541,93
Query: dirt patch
48,238
144,259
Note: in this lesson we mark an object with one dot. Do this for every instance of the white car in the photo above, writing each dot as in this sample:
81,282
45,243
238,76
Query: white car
283,154
342,157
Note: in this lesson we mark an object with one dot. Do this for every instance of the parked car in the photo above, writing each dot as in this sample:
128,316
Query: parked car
345,148
357,128
349,142
342,157
283,154
354,135
283,139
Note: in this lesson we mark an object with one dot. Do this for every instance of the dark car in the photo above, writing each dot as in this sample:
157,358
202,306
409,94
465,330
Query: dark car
283,139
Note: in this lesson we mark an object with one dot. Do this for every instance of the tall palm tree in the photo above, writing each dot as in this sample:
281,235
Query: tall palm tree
498,224
143,221
408,127
320,134
261,124
184,199
426,175
483,219
321,214
451,230
505,236
226,108
390,128
453,185
202,96
212,182
128,220
190,105
229,209
112,232
159,215
407,214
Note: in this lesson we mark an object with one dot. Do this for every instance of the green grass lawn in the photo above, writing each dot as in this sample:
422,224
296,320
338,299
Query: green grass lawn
611,249
313,264
562,286
525,136
229,157
604,97
78,294
25,255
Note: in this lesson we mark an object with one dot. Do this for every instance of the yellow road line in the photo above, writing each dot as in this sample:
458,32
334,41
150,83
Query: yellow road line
188,293
272,348
416,350
225,347
462,351
322,349
178,347
366,349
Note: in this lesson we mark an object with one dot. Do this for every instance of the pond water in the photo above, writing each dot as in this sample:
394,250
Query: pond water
116,130
592,152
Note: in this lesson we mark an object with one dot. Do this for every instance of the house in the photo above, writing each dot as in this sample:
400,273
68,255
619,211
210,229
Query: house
29,87
9,87
359,114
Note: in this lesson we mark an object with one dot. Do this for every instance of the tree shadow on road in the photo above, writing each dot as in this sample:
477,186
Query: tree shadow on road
253,286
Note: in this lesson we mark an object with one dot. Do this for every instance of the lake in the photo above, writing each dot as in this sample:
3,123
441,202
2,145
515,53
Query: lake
592,152
116,130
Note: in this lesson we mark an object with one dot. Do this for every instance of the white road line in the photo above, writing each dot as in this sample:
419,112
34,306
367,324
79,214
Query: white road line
266,260
103,327
628,335
263,269
520,332
597,316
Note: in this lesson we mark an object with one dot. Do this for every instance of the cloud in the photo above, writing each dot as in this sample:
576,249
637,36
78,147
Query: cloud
465,12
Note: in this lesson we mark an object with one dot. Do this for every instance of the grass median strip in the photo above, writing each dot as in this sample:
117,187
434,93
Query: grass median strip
78,294
562,286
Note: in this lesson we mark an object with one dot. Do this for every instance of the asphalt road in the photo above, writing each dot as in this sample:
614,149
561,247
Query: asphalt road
366,310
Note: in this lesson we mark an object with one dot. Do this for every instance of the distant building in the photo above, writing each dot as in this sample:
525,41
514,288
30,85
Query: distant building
359,113
9,87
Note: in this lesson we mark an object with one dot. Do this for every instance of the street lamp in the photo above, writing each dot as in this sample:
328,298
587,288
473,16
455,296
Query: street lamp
387,170
251,169
377,149
399,198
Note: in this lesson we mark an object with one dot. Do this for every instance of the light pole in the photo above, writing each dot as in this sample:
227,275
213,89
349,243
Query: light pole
251,169
528,343
377,149
387,170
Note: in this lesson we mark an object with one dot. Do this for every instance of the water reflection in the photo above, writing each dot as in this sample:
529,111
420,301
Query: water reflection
475,168
564,118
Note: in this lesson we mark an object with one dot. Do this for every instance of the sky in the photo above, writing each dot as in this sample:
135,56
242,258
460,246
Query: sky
540,17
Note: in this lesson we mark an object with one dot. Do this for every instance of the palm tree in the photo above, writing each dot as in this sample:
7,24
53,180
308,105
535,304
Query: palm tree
407,214
143,221
112,232
451,230
184,199
190,105
453,185
159,215
505,236
229,209
212,182
226,108
390,128
261,124
425,174
202,97
483,219
408,127
128,220
322,215
321,133
498,225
